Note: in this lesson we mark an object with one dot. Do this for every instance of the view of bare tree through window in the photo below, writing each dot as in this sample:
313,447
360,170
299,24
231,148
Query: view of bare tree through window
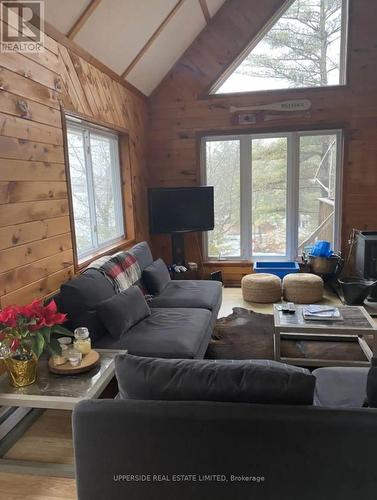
95,185
269,195
304,48
223,172
79,188
103,187
318,156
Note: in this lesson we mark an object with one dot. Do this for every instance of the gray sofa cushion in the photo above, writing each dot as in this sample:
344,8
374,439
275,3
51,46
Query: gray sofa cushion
166,333
85,292
343,387
122,311
80,297
201,380
155,277
372,384
191,293
142,254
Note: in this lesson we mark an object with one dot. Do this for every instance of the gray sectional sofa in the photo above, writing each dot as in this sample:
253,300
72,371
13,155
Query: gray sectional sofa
187,449
179,326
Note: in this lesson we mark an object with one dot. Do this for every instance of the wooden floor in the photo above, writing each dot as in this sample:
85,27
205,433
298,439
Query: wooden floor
17,487
49,439
232,297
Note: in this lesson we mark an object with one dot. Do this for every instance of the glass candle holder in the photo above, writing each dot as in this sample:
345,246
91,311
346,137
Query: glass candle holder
64,343
82,340
74,357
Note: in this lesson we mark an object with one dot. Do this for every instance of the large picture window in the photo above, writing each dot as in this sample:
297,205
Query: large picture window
275,194
95,187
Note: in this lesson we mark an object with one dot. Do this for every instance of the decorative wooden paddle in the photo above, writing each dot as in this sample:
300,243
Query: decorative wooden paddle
282,106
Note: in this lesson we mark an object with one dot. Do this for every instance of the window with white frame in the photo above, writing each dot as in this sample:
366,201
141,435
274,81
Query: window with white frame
95,187
275,194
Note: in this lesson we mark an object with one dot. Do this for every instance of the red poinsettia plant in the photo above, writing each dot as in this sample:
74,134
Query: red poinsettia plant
29,329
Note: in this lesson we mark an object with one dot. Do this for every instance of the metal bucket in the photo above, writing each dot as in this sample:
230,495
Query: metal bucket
356,290
325,265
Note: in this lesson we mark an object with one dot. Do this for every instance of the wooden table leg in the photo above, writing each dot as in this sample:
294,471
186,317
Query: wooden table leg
375,346
276,345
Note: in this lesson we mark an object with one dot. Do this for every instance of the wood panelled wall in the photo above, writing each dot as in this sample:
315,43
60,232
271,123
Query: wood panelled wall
181,110
35,239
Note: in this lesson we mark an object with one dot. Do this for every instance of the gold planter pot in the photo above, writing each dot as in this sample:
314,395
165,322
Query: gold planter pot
21,373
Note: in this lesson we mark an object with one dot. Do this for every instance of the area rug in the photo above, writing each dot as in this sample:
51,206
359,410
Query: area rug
245,334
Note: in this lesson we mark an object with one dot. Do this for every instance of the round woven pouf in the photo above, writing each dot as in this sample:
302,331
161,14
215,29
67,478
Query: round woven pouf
261,287
303,288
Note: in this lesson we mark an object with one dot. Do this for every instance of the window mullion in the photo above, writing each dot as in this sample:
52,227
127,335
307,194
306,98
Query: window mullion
245,196
343,43
203,180
292,194
117,185
91,197
338,191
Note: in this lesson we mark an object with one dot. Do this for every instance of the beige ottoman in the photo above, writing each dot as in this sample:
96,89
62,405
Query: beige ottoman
262,288
302,288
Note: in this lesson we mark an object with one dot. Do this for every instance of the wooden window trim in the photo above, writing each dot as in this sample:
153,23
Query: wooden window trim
122,244
126,190
230,263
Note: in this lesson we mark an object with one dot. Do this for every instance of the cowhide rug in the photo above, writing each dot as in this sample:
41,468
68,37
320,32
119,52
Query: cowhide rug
245,334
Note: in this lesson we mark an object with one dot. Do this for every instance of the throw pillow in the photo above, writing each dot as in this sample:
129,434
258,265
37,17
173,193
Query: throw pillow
156,277
91,320
142,254
202,380
84,292
124,310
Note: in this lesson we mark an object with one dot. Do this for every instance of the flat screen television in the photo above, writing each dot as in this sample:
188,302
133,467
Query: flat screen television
173,210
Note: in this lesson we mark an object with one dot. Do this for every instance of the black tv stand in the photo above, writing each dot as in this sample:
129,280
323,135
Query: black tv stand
178,248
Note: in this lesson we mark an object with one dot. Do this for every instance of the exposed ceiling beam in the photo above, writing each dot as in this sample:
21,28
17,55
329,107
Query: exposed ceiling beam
206,14
158,31
59,37
82,19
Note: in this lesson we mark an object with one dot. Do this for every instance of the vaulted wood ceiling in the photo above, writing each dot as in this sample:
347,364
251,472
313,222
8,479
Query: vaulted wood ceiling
138,39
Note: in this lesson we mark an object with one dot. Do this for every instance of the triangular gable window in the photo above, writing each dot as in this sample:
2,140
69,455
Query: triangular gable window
304,47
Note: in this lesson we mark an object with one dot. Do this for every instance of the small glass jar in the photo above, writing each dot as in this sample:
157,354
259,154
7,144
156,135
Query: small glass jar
64,341
60,359
74,356
82,340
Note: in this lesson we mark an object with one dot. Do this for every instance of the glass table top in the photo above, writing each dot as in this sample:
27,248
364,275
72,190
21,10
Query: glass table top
58,391
353,318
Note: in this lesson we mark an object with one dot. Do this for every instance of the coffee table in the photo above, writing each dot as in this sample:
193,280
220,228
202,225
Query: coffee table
51,391
354,326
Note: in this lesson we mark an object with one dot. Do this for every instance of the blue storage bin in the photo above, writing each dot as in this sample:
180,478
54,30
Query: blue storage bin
281,269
